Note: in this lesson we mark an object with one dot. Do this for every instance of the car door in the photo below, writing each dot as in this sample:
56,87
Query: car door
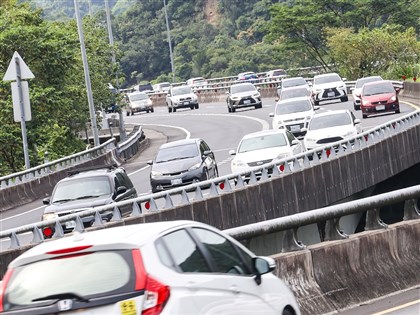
210,160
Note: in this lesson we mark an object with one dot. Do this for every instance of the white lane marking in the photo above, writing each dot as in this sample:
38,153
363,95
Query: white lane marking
20,214
397,308
170,126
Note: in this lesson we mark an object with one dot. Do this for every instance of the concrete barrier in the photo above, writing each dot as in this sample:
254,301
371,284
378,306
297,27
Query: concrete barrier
411,90
334,275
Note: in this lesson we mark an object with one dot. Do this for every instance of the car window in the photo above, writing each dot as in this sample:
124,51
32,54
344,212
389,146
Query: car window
327,79
293,107
86,275
81,188
293,82
123,181
291,93
181,90
177,153
381,88
184,252
138,97
226,257
262,142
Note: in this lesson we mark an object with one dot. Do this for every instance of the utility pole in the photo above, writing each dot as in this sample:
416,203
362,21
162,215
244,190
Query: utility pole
87,76
169,42
90,8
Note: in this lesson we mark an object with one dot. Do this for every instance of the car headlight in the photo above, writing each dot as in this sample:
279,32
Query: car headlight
238,163
235,98
308,118
393,99
256,95
342,87
348,134
195,166
316,91
49,216
365,102
155,173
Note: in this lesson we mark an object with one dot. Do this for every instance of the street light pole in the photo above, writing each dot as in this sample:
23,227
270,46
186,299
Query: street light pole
87,76
169,42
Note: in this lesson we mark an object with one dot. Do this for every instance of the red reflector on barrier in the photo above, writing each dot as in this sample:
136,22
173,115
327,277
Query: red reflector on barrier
328,151
222,186
48,232
147,205
366,137
281,168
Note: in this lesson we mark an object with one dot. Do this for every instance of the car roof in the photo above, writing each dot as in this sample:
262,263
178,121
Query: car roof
180,86
179,142
263,133
91,172
122,237
296,87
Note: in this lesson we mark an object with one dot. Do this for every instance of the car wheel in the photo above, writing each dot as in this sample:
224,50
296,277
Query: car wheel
344,98
364,116
288,311
258,106
128,113
216,172
152,110
229,109
196,106
132,113
192,107
174,109
397,111
205,175
169,109
147,111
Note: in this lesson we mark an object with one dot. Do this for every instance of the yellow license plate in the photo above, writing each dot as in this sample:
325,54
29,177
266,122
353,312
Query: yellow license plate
128,307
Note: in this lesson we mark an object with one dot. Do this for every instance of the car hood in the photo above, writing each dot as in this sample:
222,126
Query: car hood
328,85
336,131
175,166
79,204
264,154
378,97
244,94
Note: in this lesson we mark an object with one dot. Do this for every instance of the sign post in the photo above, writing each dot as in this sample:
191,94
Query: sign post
19,71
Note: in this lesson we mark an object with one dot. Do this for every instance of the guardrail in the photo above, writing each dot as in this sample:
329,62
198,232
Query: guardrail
225,184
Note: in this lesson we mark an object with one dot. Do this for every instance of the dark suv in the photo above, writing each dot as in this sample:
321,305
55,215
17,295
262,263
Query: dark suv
86,188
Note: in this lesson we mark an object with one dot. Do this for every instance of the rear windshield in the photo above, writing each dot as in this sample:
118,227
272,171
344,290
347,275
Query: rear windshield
80,188
87,276
138,97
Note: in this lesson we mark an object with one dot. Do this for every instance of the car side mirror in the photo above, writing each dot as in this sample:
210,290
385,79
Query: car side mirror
121,190
150,162
344,79
232,152
295,142
46,201
262,265
227,92
358,95
206,153
258,89
316,107
277,99
352,89
303,130
397,90
357,121
271,115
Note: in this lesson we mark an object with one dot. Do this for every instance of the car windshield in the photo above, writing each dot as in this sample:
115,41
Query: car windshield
327,79
329,121
242,88
165,85
79,276
181,90
138,97
86,187
293,107
362,81
293,82
295,92
278,72
177,153
262,142
374,89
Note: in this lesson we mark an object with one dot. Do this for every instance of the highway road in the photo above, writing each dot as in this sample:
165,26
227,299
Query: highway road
212,122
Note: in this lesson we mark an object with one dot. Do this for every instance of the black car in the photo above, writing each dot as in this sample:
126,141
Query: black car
182,162
86,188
243,95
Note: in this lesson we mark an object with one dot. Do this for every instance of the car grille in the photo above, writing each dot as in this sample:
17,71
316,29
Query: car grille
328,140
62,214
290,127
173,174
258,163
185,99
241,102
326,91
379,102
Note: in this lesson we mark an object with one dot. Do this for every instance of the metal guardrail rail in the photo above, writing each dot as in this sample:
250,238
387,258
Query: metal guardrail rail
225,184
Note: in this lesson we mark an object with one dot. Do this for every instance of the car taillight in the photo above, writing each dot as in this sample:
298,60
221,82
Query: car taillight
6,279
156,294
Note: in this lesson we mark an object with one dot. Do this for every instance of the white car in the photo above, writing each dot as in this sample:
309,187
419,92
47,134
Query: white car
331,126
295,81
243,95
293,92
181,97
197,82
173,267
357,90
139,102
293,114
264,147
327,87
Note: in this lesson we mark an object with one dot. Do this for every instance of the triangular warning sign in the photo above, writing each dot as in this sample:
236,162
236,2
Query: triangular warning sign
11,73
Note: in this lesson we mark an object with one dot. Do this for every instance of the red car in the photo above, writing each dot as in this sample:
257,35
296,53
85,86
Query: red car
379,97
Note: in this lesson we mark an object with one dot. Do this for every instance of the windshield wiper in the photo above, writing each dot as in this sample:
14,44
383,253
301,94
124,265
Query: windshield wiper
86,197
62,200
62,296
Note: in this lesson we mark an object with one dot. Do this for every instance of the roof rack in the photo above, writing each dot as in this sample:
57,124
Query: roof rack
91,168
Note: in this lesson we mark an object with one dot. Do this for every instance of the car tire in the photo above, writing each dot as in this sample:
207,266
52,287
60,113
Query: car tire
128,113
233,109
147,111
344,98
397,111
192,107
169,109
364,116
258,106
288,311
152,110
132,113
174,109
229,109
196,106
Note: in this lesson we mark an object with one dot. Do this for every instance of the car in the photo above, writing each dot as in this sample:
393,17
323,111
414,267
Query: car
182,162
245,76
293,82
264,147
293,114
293,92
358,89
181,97
144,87
331,126
197,82
169,267
86,188
139,102
243,95
162,87
277,73
379,97
327,87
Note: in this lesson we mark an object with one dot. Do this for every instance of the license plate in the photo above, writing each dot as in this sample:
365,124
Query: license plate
380,107
186,103
331,94
176,181
70,224
295,128
128,307
247,102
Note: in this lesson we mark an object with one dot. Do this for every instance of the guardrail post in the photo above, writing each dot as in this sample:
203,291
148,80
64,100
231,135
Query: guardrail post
14,241
38,237
411,210
290,242
373,221
333,231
